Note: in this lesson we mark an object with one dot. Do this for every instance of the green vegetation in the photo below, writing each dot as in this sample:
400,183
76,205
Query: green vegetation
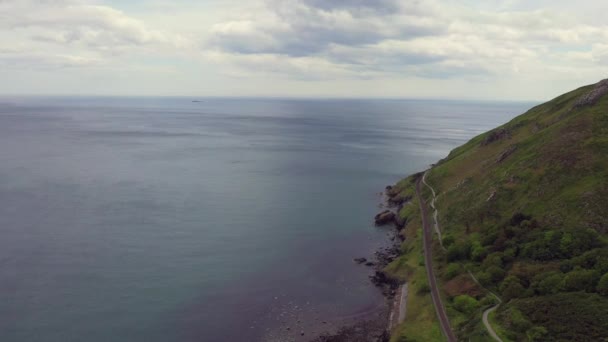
420,322
523,207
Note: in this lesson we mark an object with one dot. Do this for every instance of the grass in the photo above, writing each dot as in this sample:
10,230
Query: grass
420,322
555,177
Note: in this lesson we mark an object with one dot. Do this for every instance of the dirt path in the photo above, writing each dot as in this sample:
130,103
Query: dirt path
399,307
436,212
487,313
427,239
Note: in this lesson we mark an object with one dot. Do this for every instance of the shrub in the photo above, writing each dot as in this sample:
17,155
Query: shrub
519,322
602,285
452,270
581,280
459,250
448,240
511,288
549,283
423,288
465,304
484,278
496,274
537,334
494,259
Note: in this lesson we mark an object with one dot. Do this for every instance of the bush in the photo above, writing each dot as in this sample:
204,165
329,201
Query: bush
484,278
459,250
549,283
465,304
519,322
602,286
423,288
581,280
452,270
496,274
511,288
448,240
537,334
494,259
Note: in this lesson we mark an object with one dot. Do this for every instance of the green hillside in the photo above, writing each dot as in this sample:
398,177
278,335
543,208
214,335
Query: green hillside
524,207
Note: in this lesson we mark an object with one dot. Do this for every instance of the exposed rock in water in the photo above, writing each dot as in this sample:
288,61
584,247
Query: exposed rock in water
495,135
589,99
360,260
384,218
387,255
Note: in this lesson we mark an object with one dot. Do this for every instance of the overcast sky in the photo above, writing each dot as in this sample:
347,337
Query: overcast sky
486,49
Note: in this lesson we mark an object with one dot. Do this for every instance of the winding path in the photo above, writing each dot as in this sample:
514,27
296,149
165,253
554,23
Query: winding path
436,212
427,239
487,313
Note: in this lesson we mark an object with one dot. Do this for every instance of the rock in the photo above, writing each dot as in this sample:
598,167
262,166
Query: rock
398,199
360,260
492,196
506,153
369,263
589,99
384,218
495,135
381,280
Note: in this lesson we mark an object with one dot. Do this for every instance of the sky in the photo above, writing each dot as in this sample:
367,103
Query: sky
451,49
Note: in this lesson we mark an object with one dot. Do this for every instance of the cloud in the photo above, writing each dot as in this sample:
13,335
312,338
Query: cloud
306,27
304,45
71,33
407,38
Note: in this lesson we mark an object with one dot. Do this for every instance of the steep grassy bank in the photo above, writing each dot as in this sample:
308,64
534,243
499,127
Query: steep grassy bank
524,207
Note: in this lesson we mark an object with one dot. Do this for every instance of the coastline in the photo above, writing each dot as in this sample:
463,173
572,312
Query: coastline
380,326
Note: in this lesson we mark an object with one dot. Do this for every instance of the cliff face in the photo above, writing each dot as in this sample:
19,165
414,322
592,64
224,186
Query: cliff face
525,208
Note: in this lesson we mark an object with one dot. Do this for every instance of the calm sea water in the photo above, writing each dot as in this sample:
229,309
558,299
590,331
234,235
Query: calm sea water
163,219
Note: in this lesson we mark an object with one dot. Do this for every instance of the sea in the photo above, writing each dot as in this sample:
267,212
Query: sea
204,219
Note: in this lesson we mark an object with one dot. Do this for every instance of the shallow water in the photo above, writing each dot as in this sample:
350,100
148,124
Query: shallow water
163,219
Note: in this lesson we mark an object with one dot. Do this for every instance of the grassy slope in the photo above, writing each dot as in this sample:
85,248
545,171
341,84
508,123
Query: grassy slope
556,178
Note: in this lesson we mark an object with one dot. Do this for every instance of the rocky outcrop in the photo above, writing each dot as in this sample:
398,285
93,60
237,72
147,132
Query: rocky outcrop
496,135
386,255
506,153
589,99
384,218
395,197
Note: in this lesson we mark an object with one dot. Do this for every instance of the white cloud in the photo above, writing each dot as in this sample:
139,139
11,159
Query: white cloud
307,44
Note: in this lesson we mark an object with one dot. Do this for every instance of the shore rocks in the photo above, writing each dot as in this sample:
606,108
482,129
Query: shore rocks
384,218
360,260
386,255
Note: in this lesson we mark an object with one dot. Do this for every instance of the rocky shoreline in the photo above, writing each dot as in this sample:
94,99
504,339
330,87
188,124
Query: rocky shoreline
376,329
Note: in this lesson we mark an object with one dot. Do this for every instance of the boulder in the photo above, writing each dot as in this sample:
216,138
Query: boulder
384,218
